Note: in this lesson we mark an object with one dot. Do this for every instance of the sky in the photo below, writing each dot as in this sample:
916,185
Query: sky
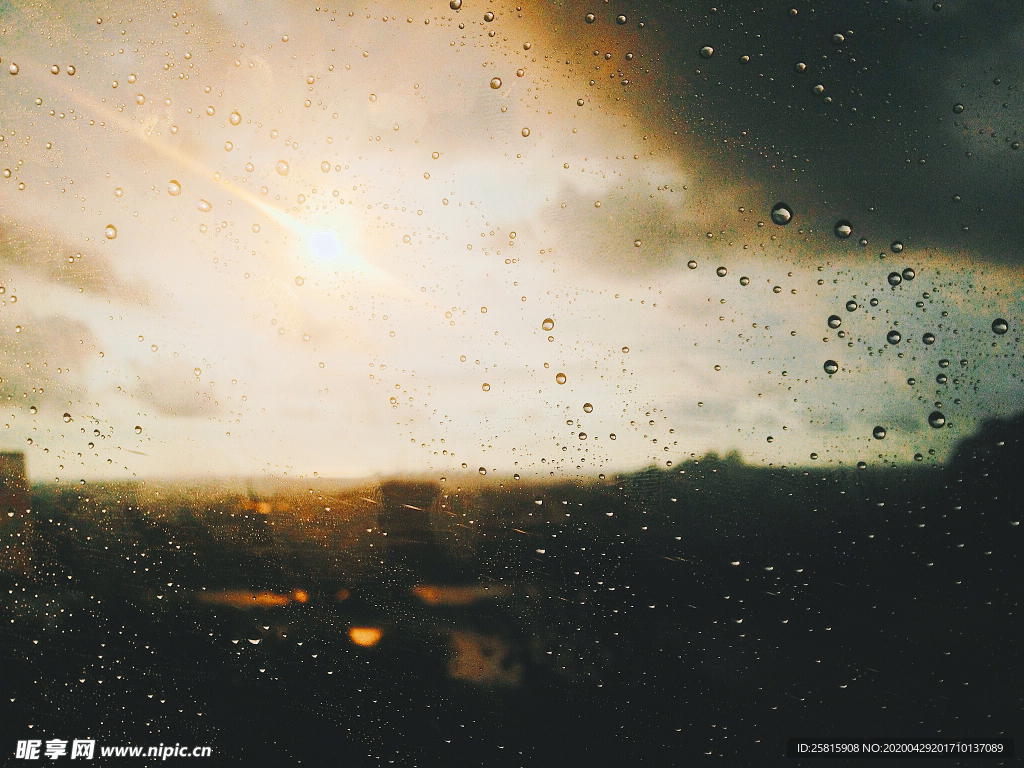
396,237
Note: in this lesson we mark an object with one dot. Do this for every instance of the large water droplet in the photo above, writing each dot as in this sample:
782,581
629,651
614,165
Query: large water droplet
235,118
896,247
495,83
781,214
878,433
843,229
831,366
707,52
204,206
560,378
588,407
834,321
13,69
110,232
721,271
958,109
282,168
909,274
1000,326
173,188
895,278
893,337
455,4
851,306
928,338
548,324
936,419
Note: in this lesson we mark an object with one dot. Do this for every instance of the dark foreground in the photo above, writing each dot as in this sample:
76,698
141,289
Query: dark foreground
718,610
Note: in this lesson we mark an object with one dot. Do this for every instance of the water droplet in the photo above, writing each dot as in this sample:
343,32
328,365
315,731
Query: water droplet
455,4
204,206
831,366
1000,326
843,229
941,378
67,418
861,465
834,321
526,132
744,280
140,99
943,363
589,18
878,432
110,232
482,471
800,67
896,246
721,271
625,350
282,168
781,214
548,324
838,38
174,187
893,337
895,278
936,419
560,378
495,83
300,280
488,16
958,109
691,264
588,407
235,118
118,193
909,274
13,69
55,69
851,306
138,430
707,52
928,338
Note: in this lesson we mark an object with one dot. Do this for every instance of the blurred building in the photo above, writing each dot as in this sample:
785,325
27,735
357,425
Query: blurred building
16,533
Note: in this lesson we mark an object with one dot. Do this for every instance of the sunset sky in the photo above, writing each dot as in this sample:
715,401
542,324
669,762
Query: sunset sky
281,239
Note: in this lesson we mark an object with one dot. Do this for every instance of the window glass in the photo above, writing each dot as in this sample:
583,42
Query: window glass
454,383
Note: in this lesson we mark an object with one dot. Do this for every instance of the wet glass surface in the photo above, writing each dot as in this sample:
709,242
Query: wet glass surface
448,384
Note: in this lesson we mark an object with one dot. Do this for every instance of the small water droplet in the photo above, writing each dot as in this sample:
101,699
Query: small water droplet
691,264
495,83
928,338
204,206
588,407
958,109
831,366
893,337
878,432
560,378
721,271
486,387
781,214
851,306
800,67
526,132
138,430
909,274
67,418
707,52
834,321
589,18
895,278
282,168
1000,326
936,419
843,229
896,246
744,280
548,324
110,232
300,280
482,471
13,69
174,187
235,118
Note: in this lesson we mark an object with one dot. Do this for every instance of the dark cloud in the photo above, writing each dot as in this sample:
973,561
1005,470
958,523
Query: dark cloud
882,145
